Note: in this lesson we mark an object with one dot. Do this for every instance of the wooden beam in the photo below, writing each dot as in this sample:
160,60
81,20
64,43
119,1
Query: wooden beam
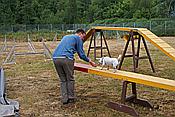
128,76
114,28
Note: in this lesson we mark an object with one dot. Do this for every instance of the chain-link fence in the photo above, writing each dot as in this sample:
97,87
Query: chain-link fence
158,27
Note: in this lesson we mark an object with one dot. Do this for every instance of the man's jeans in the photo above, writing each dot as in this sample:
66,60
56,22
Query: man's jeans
65,70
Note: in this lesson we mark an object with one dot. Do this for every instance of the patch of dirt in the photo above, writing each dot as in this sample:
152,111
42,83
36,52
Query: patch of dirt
34,83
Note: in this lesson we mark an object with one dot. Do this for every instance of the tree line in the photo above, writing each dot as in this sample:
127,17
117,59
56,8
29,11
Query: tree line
81,11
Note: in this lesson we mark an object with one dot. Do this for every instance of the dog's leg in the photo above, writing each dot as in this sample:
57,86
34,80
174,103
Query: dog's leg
114,70
103,64
108,67
114,66
102,67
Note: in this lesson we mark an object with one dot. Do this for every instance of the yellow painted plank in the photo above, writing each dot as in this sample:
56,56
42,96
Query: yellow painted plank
142,29
172,56
89,33
146,31
158,40
164,45
114,28
172,53
150,36
137,78
153,41
169,49
155,38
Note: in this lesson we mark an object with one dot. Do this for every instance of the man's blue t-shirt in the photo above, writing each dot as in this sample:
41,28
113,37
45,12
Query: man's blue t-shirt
69,45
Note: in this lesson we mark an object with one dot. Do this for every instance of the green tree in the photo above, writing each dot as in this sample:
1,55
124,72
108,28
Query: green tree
7,11
143,9
70,12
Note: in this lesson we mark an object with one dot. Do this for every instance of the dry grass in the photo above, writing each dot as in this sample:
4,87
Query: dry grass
34,83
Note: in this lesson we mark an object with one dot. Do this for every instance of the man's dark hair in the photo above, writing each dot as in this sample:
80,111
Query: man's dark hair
80,31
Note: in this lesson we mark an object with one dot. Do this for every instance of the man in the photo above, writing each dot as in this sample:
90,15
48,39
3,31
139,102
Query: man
63,58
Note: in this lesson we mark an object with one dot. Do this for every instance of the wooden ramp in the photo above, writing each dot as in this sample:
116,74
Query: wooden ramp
148,35
156,41
128,76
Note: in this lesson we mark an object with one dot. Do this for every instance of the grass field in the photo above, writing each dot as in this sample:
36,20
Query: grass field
34,83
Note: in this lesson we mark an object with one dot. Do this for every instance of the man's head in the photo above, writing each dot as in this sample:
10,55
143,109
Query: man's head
81,33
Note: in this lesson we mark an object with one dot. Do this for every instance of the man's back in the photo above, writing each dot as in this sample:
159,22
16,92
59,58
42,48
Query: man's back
67,46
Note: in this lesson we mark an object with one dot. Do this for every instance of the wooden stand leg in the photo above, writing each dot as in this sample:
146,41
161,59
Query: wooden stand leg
95,47
131,98
138,51
135,55
124,53
148,54
106,44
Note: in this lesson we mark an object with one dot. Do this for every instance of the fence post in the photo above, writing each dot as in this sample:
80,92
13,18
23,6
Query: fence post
150,25
62,27
165,27
12,28
38,27
51,27
25,28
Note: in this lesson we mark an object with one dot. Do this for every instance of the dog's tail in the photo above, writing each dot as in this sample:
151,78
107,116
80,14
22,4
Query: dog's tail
119,57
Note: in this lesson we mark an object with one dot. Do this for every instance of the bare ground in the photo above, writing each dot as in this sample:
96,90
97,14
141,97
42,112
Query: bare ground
34,83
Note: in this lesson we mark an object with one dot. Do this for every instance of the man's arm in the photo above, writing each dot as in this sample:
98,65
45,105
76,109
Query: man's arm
82,55
81,52
92,63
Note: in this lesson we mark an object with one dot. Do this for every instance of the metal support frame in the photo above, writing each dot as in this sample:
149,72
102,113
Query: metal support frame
10,59
135,54
8,107
54,39
95,47
11,55
47,52
30,45
31,48
4,46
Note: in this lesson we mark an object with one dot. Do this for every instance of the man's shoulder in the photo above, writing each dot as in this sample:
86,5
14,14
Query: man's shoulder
71,36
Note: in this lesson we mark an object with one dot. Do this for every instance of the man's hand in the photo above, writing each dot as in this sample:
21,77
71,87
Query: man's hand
93,63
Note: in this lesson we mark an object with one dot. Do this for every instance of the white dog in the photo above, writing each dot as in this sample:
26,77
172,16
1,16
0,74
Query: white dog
110,61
